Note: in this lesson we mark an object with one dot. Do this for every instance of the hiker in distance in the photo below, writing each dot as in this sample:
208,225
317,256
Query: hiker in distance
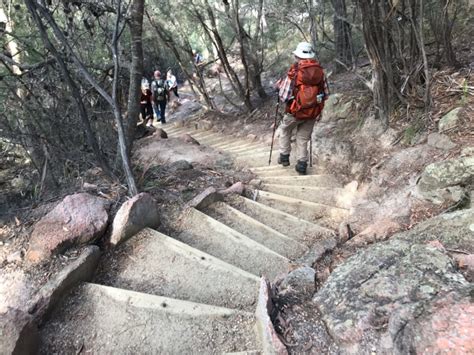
172,83
304,91
146,107
160,96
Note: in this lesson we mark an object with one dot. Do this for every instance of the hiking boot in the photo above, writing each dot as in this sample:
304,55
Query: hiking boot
301,166
284,159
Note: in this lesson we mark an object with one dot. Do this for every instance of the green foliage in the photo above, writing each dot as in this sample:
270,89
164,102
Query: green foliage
411,131
465,92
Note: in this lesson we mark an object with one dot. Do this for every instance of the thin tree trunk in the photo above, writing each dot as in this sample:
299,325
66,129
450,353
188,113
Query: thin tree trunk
30,144
199,84
136,70
74,90
378,50
124,153
256,48
342,34
112,101
215,37
447,28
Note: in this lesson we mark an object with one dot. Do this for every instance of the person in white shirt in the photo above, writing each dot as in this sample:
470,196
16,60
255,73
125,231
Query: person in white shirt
172,83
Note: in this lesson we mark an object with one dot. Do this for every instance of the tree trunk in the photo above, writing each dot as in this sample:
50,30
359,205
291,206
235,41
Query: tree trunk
446,30
379,51
111,100
215,38
342,34
241,35
74,89
29,142
136,70
124,152
169,43
257,53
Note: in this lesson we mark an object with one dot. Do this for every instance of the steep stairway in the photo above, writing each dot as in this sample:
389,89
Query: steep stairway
197,291
316,197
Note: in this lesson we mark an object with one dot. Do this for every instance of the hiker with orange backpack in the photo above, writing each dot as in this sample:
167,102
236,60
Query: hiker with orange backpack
304,91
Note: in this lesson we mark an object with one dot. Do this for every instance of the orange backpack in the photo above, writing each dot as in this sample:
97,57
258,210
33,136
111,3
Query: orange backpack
308,77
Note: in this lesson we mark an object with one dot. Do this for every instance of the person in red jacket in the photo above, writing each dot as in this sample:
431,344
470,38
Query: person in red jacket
304,91
146,108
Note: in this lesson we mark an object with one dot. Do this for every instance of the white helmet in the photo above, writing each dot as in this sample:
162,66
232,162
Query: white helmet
304,50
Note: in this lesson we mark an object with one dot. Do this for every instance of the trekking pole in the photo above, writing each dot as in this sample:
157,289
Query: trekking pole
311,150
275,124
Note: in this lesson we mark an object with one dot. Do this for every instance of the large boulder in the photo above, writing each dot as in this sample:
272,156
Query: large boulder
443,327
204,125
440,141
139,212
446,179
301,280
453,230
189,139
450,120
335,108
205,198
160,132
386,295
77,220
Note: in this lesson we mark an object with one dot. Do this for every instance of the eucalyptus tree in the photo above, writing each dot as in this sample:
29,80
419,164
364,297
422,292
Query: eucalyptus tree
44,18
342,34
209,16
76,70
247,19
442,16
176,37
396,50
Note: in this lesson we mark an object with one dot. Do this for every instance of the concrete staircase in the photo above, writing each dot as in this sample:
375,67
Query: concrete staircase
197,291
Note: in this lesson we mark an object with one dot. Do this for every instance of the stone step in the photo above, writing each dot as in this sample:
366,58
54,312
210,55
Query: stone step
334,196
191,131
303,180
210,138
154,263
100,319
321,214
213,237
265,168
259,158
282,171
256,230
248,148
217,140
258,149
176,130
207,139
194,133
234,143
292,226
206,135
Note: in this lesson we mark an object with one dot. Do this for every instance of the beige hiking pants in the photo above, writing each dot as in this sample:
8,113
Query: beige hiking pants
304,128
